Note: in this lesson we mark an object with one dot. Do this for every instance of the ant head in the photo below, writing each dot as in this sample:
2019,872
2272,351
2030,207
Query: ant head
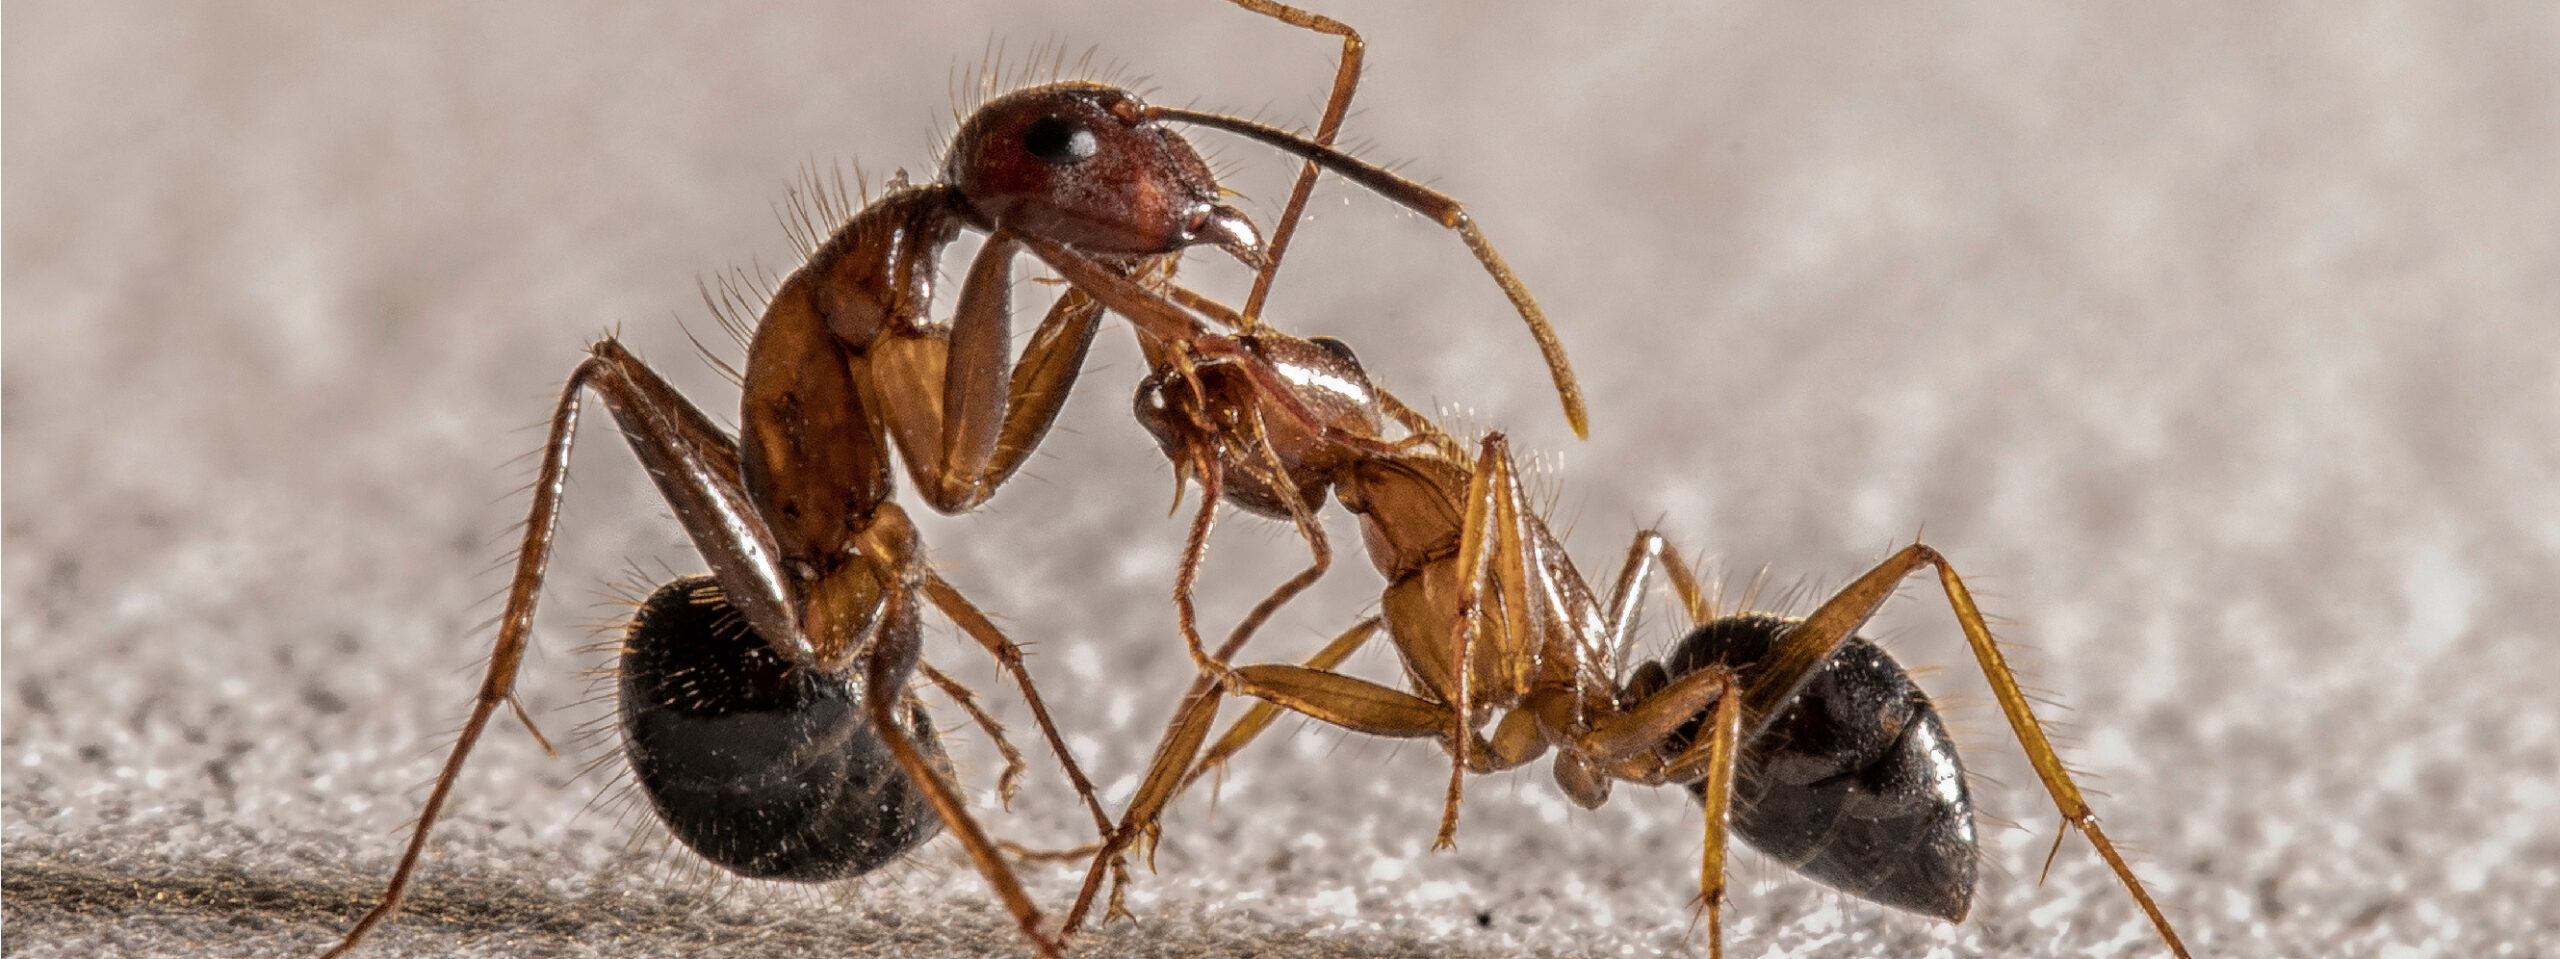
1084,164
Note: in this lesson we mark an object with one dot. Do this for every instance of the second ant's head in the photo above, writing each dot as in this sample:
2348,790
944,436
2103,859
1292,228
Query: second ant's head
1081,163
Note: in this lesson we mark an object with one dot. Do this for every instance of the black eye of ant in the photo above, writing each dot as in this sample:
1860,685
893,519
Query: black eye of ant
1059,140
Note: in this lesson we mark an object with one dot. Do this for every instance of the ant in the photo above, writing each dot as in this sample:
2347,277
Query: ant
1802,737
802,640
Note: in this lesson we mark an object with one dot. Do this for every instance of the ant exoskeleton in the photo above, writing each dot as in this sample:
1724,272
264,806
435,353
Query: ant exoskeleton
1828,756
799,646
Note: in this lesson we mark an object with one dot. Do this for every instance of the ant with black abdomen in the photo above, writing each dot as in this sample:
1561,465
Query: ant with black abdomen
1798,735
1824,752
774,690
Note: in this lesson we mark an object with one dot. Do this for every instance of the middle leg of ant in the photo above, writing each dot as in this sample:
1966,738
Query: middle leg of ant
895,651
1817,637
1007,782
1008,657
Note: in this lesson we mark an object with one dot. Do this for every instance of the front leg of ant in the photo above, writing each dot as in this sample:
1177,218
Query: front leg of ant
1346,79
891,658
963,413
1157,316
696,467
1492,569
1195,550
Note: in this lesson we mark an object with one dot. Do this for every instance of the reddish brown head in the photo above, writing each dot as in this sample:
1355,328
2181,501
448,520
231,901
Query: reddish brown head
1083,164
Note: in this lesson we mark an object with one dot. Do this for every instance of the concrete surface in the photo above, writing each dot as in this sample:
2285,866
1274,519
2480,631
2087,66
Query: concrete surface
2214,341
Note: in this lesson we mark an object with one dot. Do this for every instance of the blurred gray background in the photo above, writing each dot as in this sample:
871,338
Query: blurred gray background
2215,342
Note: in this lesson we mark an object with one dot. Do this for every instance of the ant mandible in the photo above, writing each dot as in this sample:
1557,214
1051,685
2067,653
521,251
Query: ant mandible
811,615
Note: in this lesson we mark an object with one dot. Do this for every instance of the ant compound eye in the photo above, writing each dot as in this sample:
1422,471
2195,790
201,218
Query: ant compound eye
1059,140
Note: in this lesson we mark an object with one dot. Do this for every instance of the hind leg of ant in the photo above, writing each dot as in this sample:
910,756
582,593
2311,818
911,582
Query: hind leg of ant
1716,754
962,696
1008,657
695,466
1814,640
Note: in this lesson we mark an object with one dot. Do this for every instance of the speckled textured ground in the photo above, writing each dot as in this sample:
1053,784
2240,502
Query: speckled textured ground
2216,343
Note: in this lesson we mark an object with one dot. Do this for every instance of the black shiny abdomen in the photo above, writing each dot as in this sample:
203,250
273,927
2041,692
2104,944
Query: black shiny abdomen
771,771
1854,783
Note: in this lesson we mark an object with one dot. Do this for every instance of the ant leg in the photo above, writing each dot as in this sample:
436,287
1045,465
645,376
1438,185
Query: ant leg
1190,724
1493,547
896,649
1042,378
1419,429
1182,737
1610,734
1722,753
1008,656
1649,551
2013,703
1431,203
1195,548
1346,78
960,695
1260,717
964,413
1814,640
695,466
